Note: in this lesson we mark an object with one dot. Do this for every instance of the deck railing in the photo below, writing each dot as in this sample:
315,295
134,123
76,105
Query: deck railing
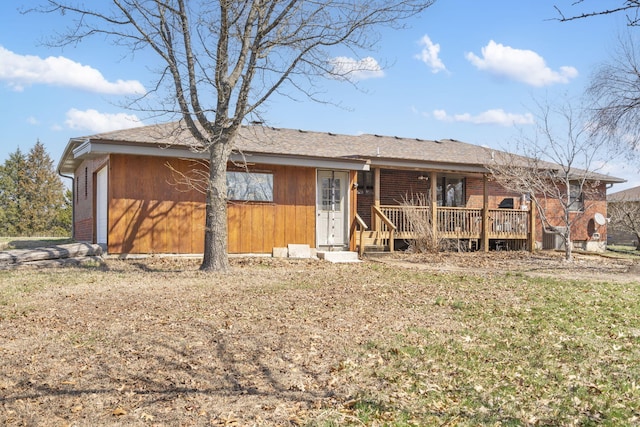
508,224
404,221
460,223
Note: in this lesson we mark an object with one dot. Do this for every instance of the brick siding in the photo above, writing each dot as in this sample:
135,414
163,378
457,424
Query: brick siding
83,199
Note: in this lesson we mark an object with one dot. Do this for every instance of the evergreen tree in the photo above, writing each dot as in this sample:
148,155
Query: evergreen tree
33,199
64,217
44,192
12,194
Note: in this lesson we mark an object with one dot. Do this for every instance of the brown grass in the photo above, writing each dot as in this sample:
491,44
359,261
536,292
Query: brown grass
155,342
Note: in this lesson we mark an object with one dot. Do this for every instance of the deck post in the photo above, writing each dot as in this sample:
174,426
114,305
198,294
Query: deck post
433,177
376,198
485,214
532,227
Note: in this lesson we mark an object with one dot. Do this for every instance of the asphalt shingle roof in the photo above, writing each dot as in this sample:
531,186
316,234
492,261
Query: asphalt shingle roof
259,139
269,140
628,195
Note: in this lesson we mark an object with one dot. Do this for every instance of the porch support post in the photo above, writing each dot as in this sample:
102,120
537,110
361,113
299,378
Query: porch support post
532,226
353,209
376,198
433,176
485,215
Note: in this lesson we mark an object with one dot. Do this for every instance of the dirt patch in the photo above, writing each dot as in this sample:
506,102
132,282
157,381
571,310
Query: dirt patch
156,342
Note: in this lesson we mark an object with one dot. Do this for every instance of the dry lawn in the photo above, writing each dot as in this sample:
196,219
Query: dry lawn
453,339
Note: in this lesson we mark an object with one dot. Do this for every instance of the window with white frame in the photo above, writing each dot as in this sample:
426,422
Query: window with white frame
576,198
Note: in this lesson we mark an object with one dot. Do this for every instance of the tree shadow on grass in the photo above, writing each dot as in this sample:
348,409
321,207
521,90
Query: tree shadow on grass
197,369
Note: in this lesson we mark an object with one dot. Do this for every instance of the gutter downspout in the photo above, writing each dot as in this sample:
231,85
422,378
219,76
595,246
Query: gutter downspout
68,151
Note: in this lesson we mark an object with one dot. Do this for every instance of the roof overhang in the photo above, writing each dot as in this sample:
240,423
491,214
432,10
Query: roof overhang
427,166
81,149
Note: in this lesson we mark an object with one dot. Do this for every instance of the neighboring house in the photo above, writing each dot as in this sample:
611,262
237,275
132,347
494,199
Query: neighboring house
295,187
625,222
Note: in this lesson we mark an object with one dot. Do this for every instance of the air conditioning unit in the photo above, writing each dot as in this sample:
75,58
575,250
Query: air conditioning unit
553,239
595,236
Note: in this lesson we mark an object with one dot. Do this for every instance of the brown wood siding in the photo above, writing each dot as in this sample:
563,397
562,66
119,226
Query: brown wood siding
258,227
147,214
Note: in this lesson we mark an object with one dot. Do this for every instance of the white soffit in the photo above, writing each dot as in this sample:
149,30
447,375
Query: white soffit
89,149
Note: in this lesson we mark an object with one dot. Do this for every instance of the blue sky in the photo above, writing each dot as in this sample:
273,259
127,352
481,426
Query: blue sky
466,69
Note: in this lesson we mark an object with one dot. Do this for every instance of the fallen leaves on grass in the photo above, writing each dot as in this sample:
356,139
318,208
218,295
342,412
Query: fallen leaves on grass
448,341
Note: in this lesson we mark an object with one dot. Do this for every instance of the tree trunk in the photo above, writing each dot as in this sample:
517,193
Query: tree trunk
638,244
568,246
215,236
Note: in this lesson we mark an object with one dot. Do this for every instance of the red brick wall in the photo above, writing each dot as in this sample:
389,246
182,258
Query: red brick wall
395,186
585,225
496,193
83,198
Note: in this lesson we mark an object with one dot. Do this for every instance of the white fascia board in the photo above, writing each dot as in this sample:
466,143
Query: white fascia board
418,165
310,162
98,148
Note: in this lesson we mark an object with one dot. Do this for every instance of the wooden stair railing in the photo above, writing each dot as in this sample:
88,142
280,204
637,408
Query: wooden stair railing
361,226
391,228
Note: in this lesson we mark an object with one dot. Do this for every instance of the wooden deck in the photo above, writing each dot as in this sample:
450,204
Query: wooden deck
405,223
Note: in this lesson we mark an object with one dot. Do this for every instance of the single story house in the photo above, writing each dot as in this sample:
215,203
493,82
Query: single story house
286,186
624,203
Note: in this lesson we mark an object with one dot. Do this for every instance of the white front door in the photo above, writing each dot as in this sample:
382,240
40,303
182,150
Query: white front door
332,209
101,205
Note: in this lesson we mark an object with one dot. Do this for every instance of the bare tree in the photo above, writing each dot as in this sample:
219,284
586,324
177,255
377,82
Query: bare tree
224,59
556,168
614,94
630,7
625,217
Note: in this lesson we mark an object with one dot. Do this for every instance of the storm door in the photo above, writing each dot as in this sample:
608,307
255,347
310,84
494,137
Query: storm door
332,210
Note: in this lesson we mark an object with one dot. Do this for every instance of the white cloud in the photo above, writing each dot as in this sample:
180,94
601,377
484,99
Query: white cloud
33,121
352,69
94,121
521,65
493,117
24,70
430,55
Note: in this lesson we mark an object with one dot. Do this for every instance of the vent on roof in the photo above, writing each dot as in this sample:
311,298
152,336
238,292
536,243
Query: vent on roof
257,122
302,131
377,136
331,134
